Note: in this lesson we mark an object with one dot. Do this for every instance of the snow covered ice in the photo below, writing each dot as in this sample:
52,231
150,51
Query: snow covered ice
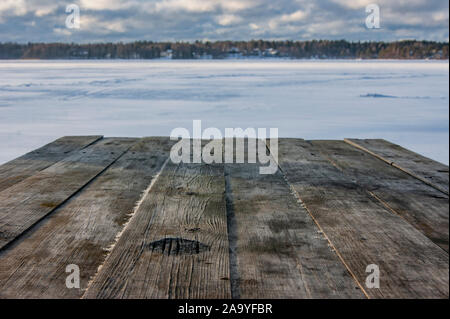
405,102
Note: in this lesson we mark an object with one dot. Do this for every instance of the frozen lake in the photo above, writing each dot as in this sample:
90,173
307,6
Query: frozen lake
404,102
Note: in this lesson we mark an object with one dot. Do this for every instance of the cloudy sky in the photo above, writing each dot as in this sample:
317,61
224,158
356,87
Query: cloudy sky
188,20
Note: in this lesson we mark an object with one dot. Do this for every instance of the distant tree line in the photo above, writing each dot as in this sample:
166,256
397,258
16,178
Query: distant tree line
318,49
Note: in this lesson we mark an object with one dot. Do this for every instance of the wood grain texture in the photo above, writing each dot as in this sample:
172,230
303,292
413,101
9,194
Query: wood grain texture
280,251
428,171
424,207
29,164
27,202
80,231
175,245
140,226
362,230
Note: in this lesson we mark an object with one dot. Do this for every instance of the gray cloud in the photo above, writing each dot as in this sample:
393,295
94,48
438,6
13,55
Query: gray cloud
188,20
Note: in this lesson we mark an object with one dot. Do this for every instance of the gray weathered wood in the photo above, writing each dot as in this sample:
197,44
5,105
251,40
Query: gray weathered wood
221,231
29,164
422,206
280,251
175,245
80,231
428,171
363,231
25,203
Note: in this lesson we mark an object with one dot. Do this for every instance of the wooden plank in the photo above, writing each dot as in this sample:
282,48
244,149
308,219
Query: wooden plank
29,164
428,171
280,251
80,231
27,202
362,231
175,245
424,207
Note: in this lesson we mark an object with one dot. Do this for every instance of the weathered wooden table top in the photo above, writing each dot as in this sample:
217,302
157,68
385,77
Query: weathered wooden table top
138,225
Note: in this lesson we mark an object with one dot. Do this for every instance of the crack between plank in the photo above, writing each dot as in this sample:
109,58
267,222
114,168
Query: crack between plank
50,165
393,164
333,247
232,237
129,216
60,205
393,211
72,152
382,202
386,205
94,142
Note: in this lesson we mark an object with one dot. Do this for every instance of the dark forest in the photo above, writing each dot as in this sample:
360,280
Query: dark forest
316,49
